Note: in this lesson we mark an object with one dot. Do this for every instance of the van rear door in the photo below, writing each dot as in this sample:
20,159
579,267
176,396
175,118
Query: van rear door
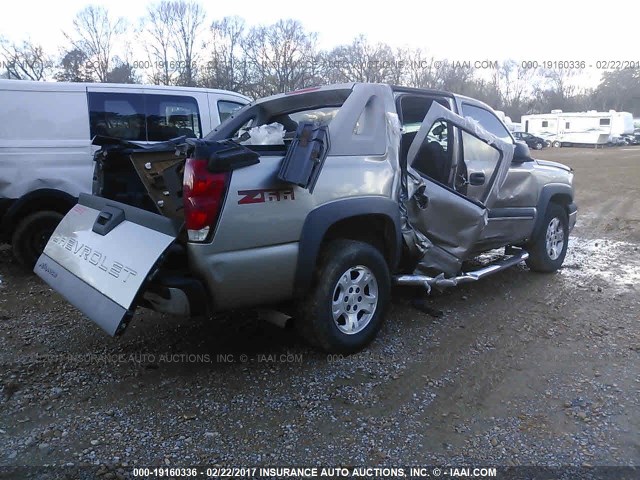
101,255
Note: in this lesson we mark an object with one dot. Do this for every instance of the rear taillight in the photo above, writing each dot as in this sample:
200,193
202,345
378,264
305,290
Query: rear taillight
203,194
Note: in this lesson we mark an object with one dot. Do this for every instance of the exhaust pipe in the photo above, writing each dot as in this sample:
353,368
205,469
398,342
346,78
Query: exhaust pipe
441,282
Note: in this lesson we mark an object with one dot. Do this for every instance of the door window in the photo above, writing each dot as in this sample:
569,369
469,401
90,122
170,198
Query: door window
432,161
480,162
119,115
434,157
171,116
487,120
474,173
226,109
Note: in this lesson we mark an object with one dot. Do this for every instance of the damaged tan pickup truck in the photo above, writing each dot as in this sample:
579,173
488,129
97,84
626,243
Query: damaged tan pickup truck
319,199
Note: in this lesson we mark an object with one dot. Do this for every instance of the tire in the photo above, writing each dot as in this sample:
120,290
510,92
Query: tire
538,146
326,316
557,144
32,234
548,249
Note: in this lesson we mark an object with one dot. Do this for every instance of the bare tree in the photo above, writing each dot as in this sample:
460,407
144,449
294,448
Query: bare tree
559,87
362,61
513,84
27,61
95,33
454,76
279,57
420,69
188,19
159,26
225,67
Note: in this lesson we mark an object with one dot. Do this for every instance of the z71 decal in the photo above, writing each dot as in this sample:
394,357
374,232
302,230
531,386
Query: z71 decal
264,195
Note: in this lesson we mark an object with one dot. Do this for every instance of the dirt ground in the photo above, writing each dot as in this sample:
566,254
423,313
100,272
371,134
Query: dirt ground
519,369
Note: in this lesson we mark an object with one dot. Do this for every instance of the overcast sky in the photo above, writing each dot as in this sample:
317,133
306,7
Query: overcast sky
464,29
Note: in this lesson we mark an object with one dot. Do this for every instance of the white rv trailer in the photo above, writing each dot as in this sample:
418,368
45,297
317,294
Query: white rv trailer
572,128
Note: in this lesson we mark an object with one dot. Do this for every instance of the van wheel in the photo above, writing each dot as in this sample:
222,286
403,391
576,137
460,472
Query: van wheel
557,144
547,251
32,234
346,306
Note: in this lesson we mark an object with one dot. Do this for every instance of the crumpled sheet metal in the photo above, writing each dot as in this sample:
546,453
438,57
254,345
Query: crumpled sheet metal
413,238
416,241
22,175
433,257
394,135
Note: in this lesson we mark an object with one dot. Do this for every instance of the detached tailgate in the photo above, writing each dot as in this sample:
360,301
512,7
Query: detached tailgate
100,256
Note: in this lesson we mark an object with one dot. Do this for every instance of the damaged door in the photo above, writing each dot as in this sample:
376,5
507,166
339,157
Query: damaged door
446,199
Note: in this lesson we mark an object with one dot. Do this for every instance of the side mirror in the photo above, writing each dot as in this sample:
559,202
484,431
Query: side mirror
521,153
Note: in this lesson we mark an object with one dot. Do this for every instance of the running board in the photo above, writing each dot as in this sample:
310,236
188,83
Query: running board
441,282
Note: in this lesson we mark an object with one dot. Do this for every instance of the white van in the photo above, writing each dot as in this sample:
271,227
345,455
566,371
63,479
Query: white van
46,156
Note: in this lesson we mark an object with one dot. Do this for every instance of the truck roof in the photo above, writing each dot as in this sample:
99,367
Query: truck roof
394,88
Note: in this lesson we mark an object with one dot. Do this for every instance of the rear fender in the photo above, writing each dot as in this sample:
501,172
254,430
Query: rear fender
322,218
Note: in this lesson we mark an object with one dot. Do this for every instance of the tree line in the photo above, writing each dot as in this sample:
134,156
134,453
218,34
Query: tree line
179,46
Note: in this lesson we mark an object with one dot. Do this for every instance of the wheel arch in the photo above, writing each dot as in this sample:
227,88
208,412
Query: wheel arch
35,201
375,220
557,193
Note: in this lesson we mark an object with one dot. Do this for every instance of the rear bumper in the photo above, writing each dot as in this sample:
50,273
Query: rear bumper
177,294
572,210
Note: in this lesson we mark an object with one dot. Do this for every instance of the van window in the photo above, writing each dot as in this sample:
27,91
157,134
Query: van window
226,108
140,117
119,115
545,124
604,122
171,116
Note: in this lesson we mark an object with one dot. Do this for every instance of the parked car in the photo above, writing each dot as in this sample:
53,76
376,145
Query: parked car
315,202
531,140
617,141
45,143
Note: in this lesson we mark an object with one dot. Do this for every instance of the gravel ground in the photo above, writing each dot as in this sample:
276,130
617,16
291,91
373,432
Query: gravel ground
519,369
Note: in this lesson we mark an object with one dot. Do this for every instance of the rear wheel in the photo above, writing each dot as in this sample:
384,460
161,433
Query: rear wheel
346,305
557,144
538,146
548,249
32,234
